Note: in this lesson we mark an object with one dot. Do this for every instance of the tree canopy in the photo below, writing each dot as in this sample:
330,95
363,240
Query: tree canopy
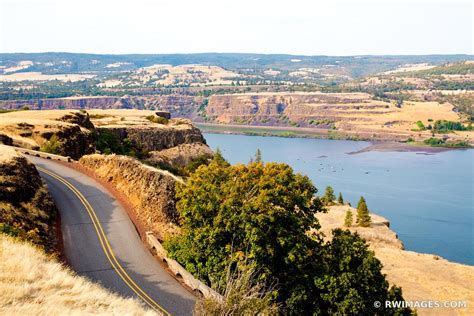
263,213
329,196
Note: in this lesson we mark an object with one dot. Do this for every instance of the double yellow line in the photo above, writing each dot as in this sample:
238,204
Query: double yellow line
106,246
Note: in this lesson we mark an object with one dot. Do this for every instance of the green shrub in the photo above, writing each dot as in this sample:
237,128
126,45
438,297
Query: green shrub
174,170
432,141
420,125
443,126
52,146
196,163
109,143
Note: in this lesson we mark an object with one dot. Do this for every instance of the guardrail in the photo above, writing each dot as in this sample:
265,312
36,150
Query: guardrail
41,154
179,271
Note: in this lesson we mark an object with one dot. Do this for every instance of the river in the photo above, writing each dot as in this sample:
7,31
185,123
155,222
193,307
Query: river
427,198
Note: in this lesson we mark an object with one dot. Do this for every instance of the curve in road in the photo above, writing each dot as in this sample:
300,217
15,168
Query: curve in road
101,242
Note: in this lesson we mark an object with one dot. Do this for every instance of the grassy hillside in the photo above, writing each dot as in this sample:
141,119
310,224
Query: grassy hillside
52,63
32,284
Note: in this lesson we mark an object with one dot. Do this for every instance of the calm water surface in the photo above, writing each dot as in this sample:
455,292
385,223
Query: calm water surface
427,198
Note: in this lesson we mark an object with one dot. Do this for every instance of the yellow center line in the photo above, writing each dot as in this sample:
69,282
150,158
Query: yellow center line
106,245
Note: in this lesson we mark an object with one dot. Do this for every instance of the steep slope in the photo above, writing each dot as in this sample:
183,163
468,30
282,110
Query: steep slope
31,280
33,284
149,190
59,132
26,208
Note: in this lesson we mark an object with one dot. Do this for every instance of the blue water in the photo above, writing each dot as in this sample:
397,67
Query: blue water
427,198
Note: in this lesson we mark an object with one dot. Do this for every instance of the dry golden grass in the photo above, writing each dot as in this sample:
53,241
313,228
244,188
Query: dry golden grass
120,117
421,276
38,76
410,67
132,117
7,154
33,284
19,66
29,136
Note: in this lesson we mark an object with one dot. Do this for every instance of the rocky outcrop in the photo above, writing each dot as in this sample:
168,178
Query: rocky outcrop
159,136
78,118
27,209
63,133
61,103
151,191
181,155
73,141
286,109
176,104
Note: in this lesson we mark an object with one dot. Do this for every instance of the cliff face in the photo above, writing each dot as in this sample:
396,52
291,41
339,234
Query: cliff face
159,137
150,191
27,209
292,108
357,114
177,105
63,133
181,155
72,133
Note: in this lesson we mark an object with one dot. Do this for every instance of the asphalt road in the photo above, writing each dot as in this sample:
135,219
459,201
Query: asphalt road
101,242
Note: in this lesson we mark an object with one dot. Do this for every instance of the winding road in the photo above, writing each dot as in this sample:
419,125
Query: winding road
101,242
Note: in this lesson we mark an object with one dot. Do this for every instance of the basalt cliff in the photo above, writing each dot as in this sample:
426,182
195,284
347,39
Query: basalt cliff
75,133
352,115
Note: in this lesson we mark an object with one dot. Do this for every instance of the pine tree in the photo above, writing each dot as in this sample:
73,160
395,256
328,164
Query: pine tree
258,156
349,219
329,196
340,200
219,158
363,217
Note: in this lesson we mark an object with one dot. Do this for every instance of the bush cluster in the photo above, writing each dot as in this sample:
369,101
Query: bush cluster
263,213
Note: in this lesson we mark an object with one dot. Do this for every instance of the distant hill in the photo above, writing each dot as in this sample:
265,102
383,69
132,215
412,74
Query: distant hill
352,66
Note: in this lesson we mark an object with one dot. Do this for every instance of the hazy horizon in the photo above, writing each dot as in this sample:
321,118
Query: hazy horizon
243,53
309,28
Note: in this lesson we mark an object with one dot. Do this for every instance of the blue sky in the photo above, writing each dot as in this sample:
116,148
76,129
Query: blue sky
293,27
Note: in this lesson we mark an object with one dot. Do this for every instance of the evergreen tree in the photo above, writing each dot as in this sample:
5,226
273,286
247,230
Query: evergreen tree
258,155
349,219
340,200
363,217
329,196
219,158
354,279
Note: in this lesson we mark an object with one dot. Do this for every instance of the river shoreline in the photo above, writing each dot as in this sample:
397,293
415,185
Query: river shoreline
379,145
390,146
